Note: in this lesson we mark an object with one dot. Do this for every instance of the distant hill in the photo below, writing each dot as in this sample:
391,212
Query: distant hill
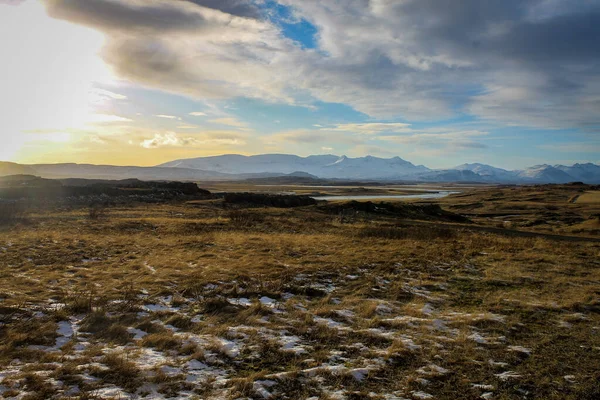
8,168
385,169
322,166
23,181
90,171
291,168
16,187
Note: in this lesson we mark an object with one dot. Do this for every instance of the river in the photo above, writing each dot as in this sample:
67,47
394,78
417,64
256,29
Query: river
436,195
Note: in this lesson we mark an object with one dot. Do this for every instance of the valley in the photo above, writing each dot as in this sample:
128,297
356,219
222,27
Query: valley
190,297
320,169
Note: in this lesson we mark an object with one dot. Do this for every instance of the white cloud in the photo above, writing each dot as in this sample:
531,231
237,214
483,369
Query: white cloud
371,128
102,95
198,114
166,116
172,139
97,139
106,118
166,139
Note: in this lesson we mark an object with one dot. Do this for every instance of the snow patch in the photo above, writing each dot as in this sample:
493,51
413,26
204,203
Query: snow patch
520,349
421,395
138,334
243,301
508,375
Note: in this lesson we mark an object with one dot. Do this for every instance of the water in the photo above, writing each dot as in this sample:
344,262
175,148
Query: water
436,195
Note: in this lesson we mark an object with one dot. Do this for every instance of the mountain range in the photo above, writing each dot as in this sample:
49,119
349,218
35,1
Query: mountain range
239,167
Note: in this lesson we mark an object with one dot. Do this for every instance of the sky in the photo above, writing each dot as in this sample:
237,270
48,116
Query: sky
511,83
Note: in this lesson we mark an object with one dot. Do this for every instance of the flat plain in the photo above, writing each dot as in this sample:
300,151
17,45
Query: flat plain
207,300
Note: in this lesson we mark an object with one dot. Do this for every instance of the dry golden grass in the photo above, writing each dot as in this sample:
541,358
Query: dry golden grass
292,303
591,197
561,209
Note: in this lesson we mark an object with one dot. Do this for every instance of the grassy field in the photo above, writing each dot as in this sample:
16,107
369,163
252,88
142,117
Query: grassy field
591,197
200,300
559,209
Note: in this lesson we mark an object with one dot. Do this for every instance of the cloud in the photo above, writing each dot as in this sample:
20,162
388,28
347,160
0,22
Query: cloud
572,147
100,97
384,139
97,139
240,8
309,136
106,118
521,104
144,16
167,116
451,139
421,58
514,62
197,114
186,47
166,139
371,128
230,121
468,145
225,138
172,139
373,150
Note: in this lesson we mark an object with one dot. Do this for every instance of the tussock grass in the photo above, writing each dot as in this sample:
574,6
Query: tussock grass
105,327
162,341
120,372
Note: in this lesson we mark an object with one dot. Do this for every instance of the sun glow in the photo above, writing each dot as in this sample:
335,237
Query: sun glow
50,73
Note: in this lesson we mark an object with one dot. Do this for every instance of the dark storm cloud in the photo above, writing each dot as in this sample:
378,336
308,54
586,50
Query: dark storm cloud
516,62
133,15
507,28
563,39
242,8
182,46
533,62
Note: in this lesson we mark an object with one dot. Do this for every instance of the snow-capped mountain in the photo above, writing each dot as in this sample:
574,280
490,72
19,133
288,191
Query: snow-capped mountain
237,167
451,175
238,164
488,172
588,173
323,166
369,167
582,172
546,174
